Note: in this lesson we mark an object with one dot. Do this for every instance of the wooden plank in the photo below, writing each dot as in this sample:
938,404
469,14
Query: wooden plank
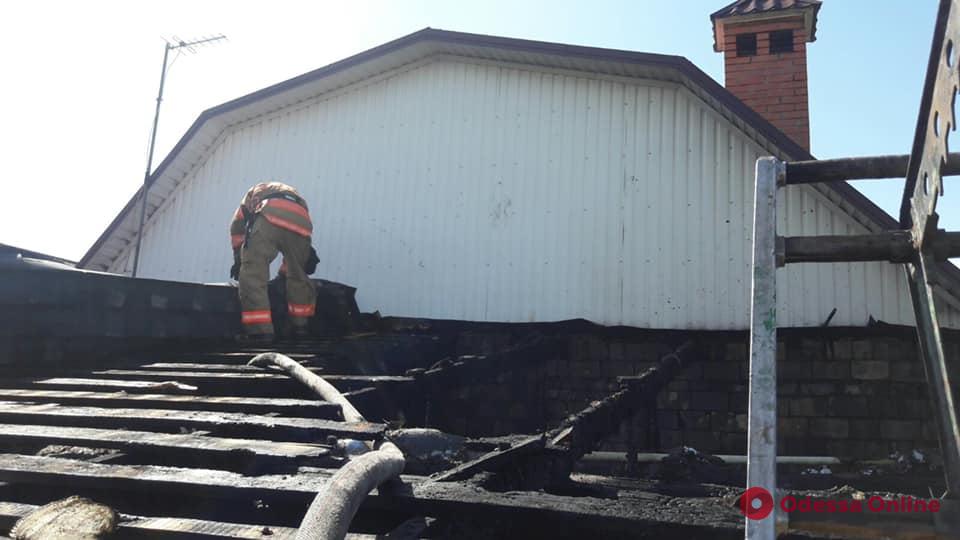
250,405
138,527
272,386
295,489
255,383
220,423
195,366
79,382
190,376
135,527
243,454
493,460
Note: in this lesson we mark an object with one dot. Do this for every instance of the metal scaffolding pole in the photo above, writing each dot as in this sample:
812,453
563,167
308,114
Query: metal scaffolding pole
762,434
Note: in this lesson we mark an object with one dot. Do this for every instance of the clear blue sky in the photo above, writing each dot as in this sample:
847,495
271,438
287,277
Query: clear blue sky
80,79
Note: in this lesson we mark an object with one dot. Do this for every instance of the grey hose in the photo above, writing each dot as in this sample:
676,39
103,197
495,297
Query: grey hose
331,512
313,381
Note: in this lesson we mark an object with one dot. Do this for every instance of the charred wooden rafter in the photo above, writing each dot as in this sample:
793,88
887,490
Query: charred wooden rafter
581,433
891,246
227,424
547,459
858,168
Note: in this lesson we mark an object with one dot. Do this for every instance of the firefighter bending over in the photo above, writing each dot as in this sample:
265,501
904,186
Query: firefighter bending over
272,218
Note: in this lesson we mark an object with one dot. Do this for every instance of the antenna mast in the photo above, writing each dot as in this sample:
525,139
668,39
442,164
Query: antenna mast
178,44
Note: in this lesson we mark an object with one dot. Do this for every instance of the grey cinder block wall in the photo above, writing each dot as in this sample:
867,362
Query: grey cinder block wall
846,392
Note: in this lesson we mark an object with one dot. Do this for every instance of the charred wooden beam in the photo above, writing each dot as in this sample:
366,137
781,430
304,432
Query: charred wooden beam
36,470
892,246
172,421
859,168
201,366
550,464
80,383
212,377
140,527
468,369
517,514
208,383
241,455
946,245
492,461
580,433
248,405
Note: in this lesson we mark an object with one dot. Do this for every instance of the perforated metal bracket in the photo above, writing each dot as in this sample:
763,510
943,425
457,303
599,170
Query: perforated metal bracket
934,123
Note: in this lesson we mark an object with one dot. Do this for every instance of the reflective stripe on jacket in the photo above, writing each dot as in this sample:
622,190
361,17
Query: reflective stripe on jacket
278,203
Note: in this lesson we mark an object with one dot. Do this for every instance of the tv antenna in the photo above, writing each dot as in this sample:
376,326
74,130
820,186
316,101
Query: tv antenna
178,45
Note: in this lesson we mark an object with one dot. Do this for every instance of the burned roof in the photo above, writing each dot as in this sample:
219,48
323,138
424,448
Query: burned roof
185,438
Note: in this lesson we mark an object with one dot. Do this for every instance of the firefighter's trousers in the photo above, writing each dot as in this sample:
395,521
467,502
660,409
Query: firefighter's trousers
262,245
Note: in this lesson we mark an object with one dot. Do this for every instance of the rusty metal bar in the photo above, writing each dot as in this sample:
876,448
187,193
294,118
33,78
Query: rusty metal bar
931,349
762,410
918,214
857,168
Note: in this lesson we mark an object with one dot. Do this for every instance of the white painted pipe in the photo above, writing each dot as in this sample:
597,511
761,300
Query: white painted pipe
312,381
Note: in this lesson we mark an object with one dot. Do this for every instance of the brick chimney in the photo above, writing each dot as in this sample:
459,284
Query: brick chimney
764,46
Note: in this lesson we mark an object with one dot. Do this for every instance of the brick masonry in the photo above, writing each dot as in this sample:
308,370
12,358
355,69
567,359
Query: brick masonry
774,85
852,393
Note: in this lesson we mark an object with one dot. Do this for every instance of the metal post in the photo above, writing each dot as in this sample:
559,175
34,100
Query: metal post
934,364
762,434
146,173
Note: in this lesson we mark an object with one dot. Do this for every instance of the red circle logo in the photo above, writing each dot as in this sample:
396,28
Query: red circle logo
756,503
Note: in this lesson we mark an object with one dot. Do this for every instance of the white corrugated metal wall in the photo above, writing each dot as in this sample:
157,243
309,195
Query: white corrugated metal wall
481,191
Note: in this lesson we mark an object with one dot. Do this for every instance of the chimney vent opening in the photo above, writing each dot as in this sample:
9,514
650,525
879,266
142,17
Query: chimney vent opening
747,45
781,41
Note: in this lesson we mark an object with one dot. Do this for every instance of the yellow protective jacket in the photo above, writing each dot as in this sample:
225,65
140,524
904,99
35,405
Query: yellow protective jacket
276,202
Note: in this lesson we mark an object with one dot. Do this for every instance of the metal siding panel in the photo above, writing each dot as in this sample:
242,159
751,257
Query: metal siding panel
485,192
698,189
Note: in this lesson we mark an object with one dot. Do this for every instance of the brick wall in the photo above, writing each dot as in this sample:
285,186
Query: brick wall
845,392
774,85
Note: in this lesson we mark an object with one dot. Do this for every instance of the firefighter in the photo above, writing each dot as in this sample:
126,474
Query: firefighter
272,218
